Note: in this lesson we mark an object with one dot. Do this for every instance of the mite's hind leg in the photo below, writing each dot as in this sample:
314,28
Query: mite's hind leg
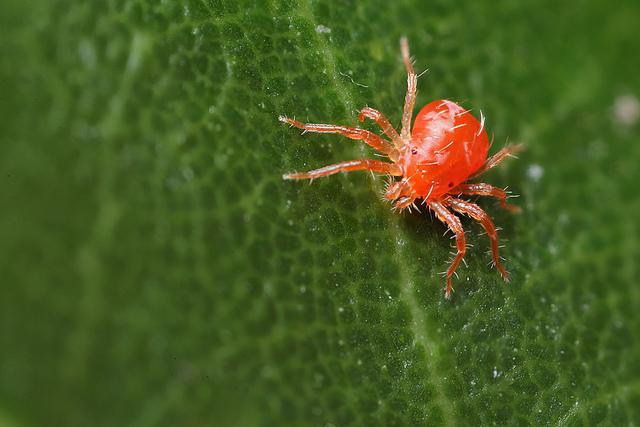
367,137
412,85
350,165
384,124
453,222
475,212
497,158
482,189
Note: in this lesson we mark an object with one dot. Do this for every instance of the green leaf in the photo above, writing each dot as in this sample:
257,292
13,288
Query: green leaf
156,269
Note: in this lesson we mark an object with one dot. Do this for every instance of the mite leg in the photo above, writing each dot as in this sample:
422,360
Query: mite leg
482,189
453,222
354,133
402,194
393,190
497,158
475,212
412,85
404,202
384,124
397,189
350,165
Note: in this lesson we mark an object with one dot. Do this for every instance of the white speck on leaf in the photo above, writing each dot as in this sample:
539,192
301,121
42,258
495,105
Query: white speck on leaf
535,172
87,54
626,110
139,47
321,29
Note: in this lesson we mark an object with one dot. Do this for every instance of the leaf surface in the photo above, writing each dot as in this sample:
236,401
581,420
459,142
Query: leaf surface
158,271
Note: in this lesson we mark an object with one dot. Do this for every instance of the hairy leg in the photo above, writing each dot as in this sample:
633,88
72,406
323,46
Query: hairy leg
497,158
412,85
475,212
453,222
384,124
398,189
350,165
482,189
404,202
354,133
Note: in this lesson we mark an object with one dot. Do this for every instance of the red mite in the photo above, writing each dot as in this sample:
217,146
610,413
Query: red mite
447,148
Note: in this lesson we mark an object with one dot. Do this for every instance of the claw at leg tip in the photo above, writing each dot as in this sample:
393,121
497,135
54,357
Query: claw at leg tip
448,290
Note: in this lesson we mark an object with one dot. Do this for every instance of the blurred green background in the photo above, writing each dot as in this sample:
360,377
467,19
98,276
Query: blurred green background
156,270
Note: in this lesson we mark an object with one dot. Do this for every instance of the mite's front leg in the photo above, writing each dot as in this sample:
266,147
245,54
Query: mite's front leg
367,137
412,87
384,124
349,165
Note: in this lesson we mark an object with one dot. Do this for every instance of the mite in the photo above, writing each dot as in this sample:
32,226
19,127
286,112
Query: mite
433,163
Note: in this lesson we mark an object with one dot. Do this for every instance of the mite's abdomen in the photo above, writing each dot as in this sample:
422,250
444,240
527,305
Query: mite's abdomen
447,146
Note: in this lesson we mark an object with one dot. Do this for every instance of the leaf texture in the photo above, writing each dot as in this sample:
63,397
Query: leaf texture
156,269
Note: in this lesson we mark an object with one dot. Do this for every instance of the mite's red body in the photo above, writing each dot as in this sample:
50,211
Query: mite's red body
446,148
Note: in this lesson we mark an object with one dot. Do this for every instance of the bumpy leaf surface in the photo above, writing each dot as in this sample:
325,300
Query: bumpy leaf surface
156,269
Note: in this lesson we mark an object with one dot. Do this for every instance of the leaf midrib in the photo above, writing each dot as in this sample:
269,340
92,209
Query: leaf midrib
418,324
